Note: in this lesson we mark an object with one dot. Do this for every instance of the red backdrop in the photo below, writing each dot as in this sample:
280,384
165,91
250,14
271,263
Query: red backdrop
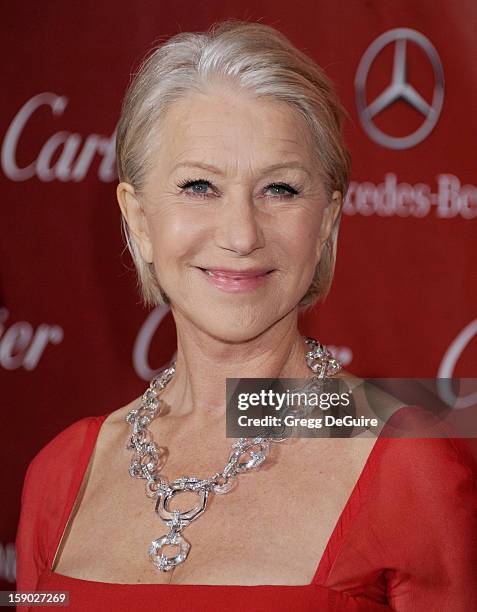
74,339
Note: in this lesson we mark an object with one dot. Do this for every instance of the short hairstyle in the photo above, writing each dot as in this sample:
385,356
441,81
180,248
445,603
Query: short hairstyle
260,60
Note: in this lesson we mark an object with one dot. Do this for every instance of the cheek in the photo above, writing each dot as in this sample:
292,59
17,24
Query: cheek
298,238
177,236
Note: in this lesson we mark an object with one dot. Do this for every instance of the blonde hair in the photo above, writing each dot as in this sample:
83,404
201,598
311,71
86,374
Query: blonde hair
256,58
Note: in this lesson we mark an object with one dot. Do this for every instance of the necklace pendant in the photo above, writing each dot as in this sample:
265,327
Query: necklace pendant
162,561
176,520
180,519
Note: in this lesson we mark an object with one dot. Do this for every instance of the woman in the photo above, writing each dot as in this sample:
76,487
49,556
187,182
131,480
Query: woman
232,176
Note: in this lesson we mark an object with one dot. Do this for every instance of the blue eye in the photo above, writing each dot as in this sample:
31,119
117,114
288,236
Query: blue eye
200,187
197,187
282,190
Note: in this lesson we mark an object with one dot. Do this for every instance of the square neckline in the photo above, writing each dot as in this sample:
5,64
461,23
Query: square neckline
337,538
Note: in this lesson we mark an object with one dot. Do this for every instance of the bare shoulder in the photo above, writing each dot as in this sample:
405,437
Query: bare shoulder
115,427
118,417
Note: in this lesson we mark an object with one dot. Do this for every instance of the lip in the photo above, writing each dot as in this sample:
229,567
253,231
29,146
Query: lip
235,281
229,273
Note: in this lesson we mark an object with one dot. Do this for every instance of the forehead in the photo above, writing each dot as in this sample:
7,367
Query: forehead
235,125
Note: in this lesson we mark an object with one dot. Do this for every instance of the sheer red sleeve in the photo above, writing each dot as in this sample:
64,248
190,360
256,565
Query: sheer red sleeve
416,527
410,536
48,482
434,563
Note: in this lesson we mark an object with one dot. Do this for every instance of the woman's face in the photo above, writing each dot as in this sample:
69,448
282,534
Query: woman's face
235,212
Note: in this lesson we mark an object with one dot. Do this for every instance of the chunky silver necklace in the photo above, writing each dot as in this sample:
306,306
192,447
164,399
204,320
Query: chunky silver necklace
145,461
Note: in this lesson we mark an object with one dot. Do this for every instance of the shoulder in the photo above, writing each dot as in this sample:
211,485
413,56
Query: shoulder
422,496
419,441
426,475
52,480
66,443
54,464
46,487
417,454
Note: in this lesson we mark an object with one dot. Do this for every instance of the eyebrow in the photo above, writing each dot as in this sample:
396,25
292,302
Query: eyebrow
215,170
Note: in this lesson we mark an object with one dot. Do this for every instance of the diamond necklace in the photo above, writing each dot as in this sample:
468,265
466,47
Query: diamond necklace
144,463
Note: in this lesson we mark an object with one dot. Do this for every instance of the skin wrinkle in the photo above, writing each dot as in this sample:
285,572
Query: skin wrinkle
238,225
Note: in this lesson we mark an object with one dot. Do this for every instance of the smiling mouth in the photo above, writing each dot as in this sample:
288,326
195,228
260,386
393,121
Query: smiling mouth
235,275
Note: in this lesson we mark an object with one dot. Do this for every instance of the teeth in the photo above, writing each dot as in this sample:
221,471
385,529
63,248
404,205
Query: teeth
223,275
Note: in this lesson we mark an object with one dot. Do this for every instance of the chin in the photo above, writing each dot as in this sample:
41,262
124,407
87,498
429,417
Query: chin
239,326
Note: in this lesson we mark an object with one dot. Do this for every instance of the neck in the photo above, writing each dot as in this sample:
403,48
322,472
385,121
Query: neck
197,390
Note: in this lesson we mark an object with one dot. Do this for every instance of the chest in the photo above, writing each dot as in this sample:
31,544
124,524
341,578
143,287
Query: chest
272,528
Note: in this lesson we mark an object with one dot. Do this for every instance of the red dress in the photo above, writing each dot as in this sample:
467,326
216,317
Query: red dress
406,539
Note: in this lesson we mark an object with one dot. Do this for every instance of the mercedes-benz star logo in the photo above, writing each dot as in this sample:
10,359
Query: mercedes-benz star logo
399,88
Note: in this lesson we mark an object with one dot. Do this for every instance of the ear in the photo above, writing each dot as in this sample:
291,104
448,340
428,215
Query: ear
330,213
135,217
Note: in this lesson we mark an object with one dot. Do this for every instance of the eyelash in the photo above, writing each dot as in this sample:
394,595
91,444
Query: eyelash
292,192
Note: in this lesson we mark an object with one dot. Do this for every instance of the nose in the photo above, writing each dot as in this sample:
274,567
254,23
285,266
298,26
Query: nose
238,225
